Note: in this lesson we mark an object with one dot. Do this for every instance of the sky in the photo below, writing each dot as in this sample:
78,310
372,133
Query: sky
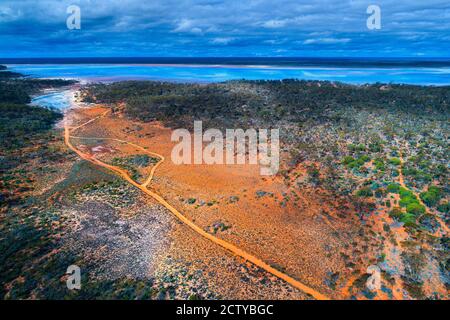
214,28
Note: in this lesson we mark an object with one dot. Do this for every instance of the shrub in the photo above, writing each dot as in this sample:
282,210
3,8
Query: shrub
405,193
379,193
408,219
364,192
314,174
358,147
347,160
405,201
353,164
379,164
376,147
432,196
415,209
364,158
19,122
393,188
429,222
444,207
395,161
396,213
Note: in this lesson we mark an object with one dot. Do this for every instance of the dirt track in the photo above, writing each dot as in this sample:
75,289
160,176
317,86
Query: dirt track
144,188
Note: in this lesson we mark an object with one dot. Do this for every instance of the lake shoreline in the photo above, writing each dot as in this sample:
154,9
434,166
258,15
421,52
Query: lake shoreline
201,73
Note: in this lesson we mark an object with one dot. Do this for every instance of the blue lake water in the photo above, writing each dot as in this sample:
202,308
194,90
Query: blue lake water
217,73
56,100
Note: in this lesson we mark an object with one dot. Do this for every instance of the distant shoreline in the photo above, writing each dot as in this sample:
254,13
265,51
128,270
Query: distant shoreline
202,73
247,62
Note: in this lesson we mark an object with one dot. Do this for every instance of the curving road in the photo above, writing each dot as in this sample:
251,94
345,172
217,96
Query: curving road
143,187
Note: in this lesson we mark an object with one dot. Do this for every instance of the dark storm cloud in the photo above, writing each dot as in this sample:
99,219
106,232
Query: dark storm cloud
223,28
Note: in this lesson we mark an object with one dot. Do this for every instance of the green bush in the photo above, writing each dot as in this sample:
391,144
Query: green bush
313,172
415,209
395,161
408,219
393,188
405,193
347,160
379,164
405,201
364,192
444,207
379,193
358,147
355,163
396,213
432,196
376,147
364,158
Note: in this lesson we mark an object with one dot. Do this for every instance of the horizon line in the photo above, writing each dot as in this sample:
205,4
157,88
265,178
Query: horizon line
231,57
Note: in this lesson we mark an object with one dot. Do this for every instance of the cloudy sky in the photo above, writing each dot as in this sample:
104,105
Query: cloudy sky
185,28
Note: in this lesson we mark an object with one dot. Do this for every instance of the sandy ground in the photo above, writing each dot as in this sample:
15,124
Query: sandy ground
259,213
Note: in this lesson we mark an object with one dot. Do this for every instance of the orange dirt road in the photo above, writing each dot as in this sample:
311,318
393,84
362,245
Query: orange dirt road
143,187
